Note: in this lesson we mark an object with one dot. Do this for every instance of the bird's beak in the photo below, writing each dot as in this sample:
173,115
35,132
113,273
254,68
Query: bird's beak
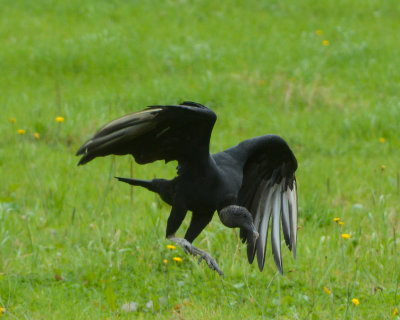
251,241
255,235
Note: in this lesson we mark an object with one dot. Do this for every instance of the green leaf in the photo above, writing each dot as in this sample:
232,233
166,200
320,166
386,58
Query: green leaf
111,298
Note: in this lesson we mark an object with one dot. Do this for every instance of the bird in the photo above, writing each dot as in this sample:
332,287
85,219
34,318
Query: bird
252,186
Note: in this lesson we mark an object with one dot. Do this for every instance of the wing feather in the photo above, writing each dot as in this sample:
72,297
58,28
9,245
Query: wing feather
175,132
292,196
276,228
264,216
285,217
260,202
269,192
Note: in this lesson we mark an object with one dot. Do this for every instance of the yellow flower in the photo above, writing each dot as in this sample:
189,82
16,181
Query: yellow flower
341,223
327,290
395,312
171,246
346,236
36,135
325,43
336,219
261,82
177,259
383,167
2,310
382,140
21,131
319,32
60,119
13,120
355,301
165,261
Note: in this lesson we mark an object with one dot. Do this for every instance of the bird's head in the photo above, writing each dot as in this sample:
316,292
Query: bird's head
234,216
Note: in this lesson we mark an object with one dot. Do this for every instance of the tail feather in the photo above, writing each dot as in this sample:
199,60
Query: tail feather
165,188
148,184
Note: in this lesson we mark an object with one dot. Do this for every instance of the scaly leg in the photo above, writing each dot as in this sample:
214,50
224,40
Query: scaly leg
189,248
199,221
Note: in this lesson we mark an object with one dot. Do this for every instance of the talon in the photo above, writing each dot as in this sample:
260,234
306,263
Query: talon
189,248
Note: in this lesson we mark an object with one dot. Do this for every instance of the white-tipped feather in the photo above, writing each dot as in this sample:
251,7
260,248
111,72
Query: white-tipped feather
263,228
292,197
285,215
276,230
258,206
295,210
279,204
261,203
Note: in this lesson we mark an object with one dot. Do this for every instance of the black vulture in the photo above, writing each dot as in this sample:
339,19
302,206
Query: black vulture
249,185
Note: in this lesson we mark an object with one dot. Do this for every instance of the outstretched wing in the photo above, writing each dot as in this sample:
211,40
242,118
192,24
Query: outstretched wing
269,192
175,132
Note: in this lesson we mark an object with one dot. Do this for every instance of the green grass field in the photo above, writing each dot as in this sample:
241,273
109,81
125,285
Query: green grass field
76,244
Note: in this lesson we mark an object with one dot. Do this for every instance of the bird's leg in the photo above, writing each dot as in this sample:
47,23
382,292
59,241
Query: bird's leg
178,213
200,219
189,248
239,217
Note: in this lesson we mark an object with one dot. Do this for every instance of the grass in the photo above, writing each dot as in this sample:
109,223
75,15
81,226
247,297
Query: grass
73,246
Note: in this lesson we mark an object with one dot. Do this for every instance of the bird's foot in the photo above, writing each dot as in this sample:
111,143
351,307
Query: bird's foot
189,248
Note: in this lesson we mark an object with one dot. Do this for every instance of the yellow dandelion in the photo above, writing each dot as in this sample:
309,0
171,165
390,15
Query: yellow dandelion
395,312
171,246
341,223
346,236
319,32
21,131
177,259
13,120
327,290
382,140
383,167
165,261
325,43
2,310
60,119
36,135
336,219
355,301
261,82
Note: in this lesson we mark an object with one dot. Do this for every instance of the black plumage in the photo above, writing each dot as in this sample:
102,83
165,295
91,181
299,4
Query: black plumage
249,185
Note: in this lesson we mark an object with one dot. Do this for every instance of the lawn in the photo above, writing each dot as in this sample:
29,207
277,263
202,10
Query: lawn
76,244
